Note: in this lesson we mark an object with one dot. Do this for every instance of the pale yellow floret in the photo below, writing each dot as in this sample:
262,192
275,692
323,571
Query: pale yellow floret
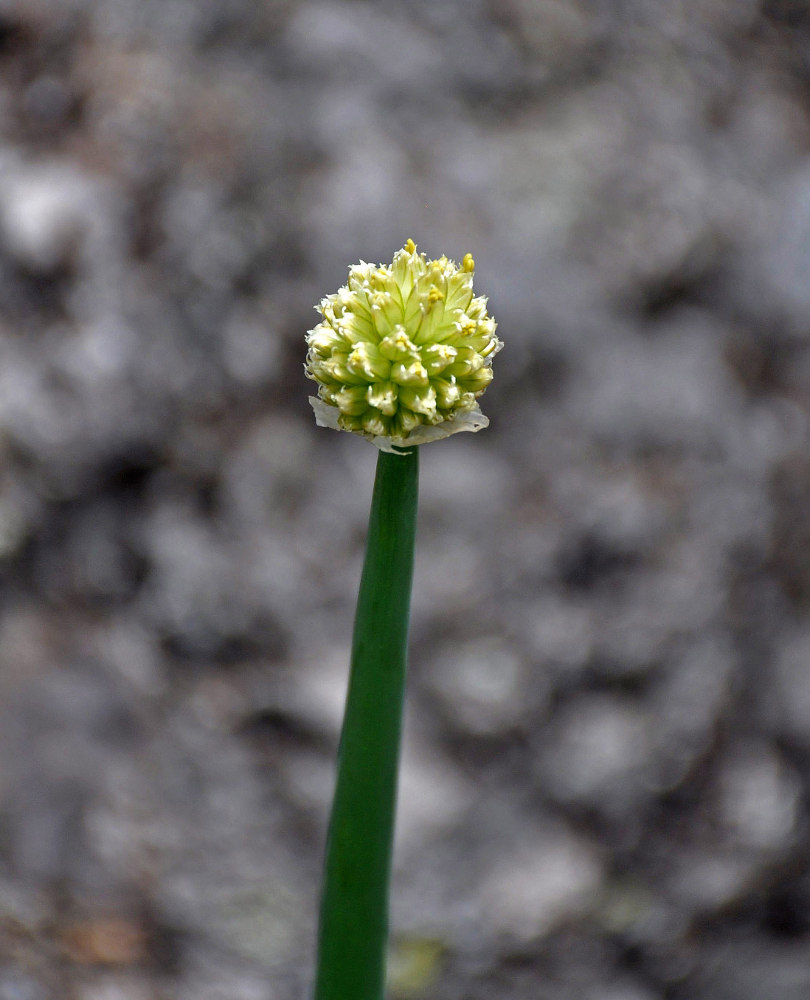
403,351
383,396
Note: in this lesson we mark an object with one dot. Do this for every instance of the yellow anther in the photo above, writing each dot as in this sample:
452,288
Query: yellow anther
467,262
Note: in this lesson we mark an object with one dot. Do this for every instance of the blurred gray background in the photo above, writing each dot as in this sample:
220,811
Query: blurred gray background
608,737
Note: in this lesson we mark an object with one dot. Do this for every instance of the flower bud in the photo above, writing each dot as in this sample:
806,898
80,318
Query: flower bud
403,351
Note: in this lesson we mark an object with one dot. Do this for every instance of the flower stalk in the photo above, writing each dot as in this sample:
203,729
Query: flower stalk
401,356
353,932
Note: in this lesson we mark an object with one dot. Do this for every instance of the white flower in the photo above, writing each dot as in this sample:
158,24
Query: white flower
403,351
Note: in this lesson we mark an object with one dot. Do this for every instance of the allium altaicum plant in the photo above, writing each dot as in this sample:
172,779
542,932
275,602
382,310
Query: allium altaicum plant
401,356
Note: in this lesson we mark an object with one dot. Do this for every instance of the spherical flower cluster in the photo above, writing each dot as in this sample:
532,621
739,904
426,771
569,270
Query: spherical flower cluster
403,351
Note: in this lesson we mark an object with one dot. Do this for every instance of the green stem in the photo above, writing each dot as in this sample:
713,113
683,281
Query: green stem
354,906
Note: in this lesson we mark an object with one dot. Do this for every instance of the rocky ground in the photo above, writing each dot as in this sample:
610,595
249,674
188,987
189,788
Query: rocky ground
607,762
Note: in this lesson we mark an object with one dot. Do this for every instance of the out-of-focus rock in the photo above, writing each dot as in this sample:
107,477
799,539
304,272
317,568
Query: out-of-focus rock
598,753
550,878
47,212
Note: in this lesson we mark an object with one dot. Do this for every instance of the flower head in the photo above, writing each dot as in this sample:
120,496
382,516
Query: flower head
403,351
